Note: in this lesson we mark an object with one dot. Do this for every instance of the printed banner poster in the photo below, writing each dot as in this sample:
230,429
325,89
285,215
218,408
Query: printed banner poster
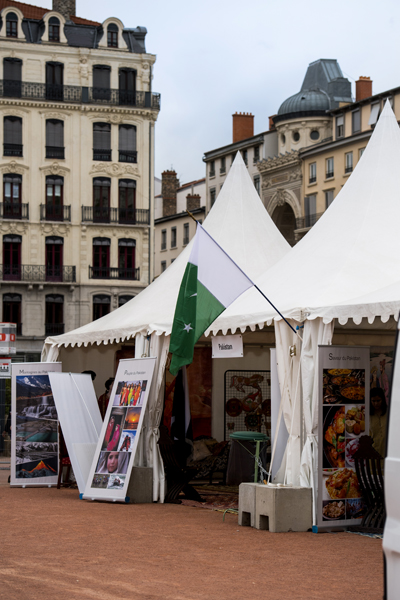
34,425
116,448
343,418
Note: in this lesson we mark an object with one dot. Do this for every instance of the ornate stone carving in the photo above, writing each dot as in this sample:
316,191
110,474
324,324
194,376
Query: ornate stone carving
280,198
116,118
53,115
54,169
61,229
12,112
84,67
12,227
115,169
146,72
13,167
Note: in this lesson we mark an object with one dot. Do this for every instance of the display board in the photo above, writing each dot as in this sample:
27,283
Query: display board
34,425
247,402
343,418
80,420
116,448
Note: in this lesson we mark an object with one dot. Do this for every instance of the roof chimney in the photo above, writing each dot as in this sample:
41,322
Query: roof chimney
66,7
243,126
271,123
363,88
169,185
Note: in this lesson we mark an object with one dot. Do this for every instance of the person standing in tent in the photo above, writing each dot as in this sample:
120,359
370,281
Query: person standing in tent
378,419
105,398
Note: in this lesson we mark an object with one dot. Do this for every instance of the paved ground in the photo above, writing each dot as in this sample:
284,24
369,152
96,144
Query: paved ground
56,547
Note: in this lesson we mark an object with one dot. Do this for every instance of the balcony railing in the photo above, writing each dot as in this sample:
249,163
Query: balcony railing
37,273
185,241
312,180
103,154
222,170
114,273
307,220
212,173
128,156
348,169
54,328
125,216
81,95
55,152
55,213
12,149
10,210
329,174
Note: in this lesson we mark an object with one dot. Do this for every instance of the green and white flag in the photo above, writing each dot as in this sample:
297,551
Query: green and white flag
211,282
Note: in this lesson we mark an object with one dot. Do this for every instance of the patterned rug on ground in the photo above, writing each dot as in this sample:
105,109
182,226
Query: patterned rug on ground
215,497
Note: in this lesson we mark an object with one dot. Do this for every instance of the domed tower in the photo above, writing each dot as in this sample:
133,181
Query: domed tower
302,119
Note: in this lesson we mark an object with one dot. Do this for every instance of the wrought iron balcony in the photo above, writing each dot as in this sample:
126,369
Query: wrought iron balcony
37,273
55,152
312,179
54,328
49,212
114,273
12,149
124,216
222,170
329,174
77,94
307,220
103,154
128,156
12,210
348,169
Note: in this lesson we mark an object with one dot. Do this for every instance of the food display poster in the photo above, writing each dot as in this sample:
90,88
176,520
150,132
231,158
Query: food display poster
34,425
113,460
343,418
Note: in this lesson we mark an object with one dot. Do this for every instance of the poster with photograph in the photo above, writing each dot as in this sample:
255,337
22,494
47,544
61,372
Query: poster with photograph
110,472
34,425
344,377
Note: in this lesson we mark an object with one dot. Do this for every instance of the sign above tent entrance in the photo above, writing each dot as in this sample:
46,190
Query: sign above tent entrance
227,346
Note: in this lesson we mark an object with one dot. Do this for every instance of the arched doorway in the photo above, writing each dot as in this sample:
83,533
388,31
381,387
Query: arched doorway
285,220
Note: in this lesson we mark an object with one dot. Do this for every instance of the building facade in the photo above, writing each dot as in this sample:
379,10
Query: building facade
77,124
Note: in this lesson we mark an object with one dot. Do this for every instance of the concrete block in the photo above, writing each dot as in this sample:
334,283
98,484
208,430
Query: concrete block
280,509
247,504
140,488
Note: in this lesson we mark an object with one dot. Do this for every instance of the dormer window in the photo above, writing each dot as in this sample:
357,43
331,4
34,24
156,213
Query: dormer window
54,29
11,25
112,36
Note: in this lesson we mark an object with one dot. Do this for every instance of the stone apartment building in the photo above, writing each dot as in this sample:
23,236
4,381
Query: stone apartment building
77,124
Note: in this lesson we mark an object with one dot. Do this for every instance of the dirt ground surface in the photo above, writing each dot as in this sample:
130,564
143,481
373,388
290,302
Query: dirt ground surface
56,547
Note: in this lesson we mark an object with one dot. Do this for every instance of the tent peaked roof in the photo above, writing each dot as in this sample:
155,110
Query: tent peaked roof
351,252
239,223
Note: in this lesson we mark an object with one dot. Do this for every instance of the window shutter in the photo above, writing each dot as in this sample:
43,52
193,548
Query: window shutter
101,136
12,69
55,133
12,130
101,76
127,137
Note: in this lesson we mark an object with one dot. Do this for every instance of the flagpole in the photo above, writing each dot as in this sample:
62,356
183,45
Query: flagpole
252,282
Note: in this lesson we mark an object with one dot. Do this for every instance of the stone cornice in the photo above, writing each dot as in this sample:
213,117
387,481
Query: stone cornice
13,167
14,102
290,159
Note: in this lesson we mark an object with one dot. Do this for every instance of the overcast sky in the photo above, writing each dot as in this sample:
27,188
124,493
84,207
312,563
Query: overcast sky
216,57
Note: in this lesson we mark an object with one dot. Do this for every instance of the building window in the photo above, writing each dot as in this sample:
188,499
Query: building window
373,117
360,152
101,306
126,259
314,135
54,138
244,154
222,169
127,87
256,154
11,25
328,198
124,299
127,144
173,237
101,258
164,239
101,199
185,234
12,310
101,82
212,197
54,81
257,183
340,126
127,201
310,205
163,266
212,168
348,162
12,141
12,257
12,77
54,29
329,167
54,198
54,258
12,196
356,121
112,36
54,324
102,141
296,136
313,173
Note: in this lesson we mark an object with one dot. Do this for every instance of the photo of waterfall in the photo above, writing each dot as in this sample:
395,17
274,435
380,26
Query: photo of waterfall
34,398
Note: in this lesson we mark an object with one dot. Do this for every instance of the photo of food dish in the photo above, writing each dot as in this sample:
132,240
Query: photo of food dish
352,446
356,508
332,511
341,484
355,421
334,437
341,386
